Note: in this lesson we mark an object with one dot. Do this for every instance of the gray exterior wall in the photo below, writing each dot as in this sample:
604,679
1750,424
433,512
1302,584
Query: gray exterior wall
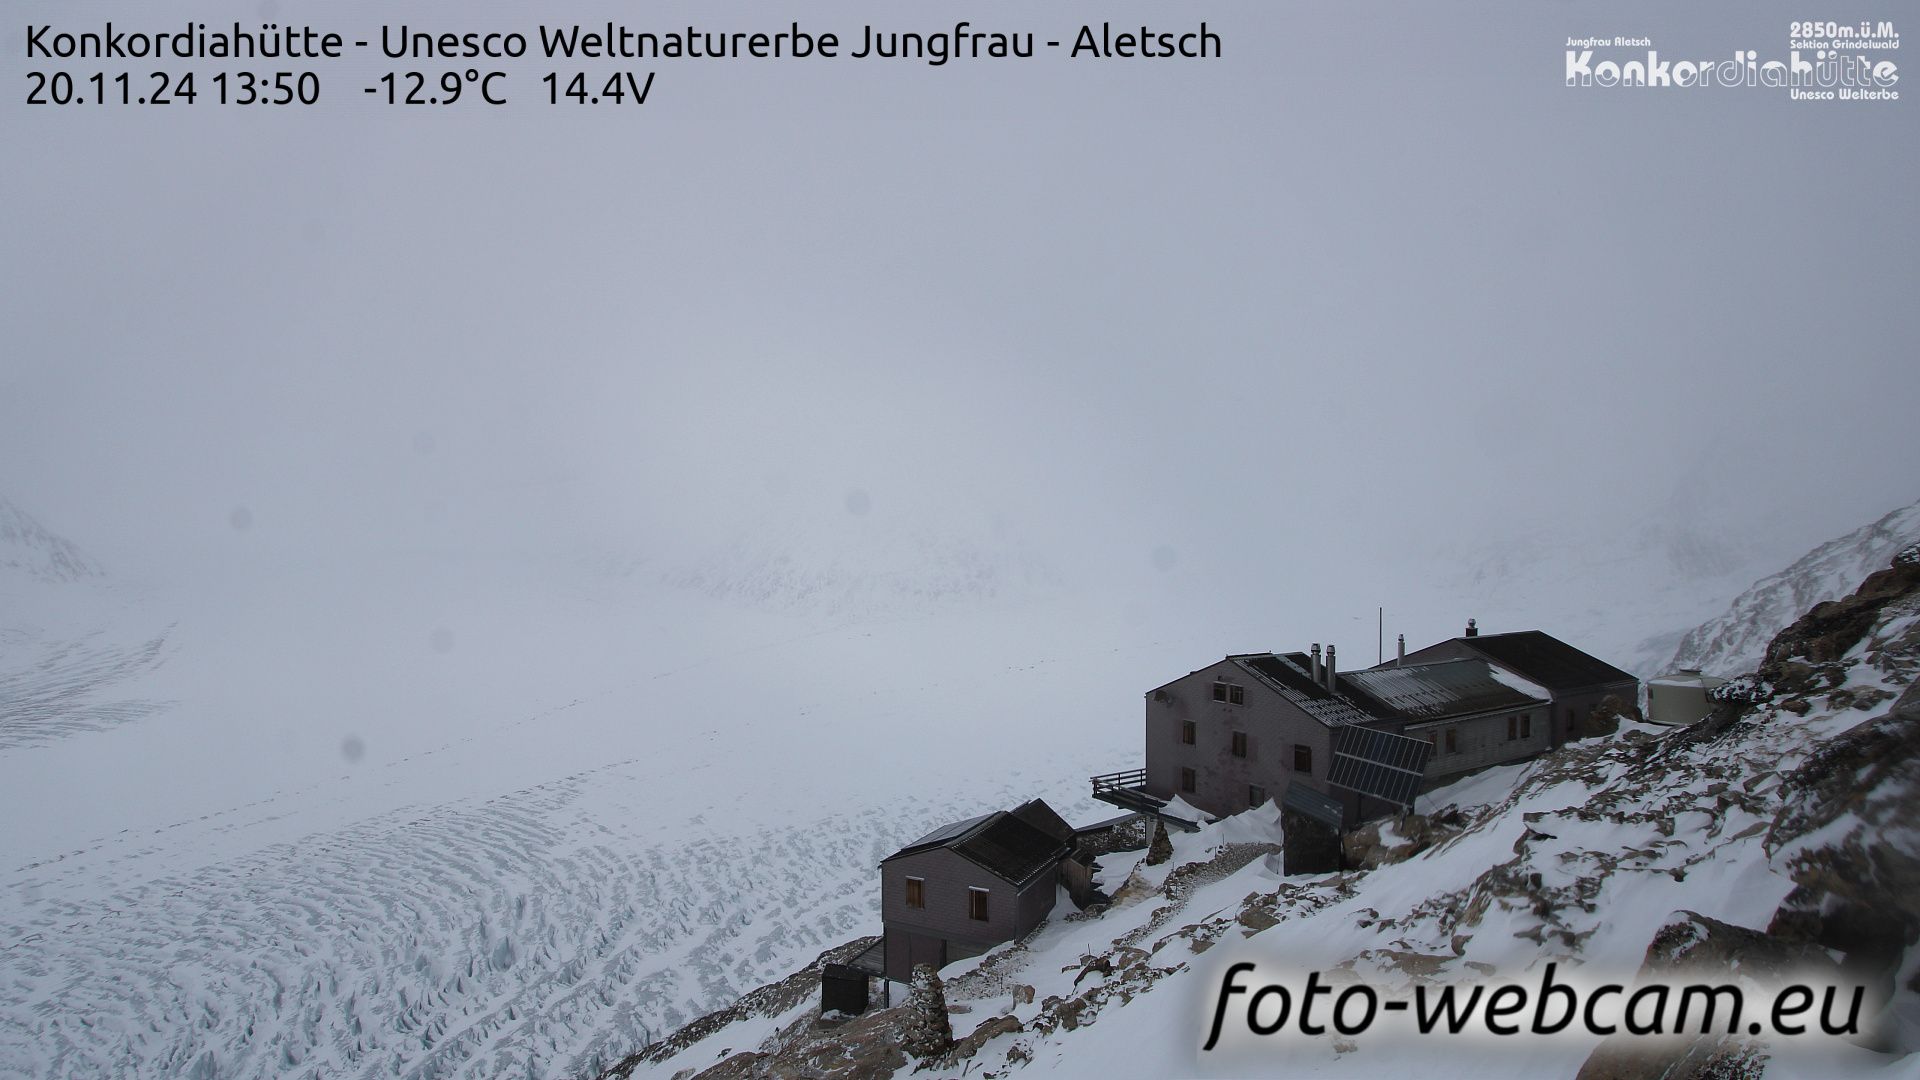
1481,741
1011,913
1273,725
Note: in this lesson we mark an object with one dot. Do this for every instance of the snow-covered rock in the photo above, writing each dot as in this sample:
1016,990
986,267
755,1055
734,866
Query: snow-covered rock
1719,844
1734,642
28,550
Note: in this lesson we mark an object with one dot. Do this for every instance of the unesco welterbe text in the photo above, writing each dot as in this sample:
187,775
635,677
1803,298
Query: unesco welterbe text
955,42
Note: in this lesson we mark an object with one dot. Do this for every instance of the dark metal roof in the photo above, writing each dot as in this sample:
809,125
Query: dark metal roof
1379,763
1288,675
1000,843
1545,659
1038,814
1011,849
871,960
1422,692
1321,807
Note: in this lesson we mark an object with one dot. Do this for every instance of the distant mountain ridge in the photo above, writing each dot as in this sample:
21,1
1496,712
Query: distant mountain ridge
1733,643
27,548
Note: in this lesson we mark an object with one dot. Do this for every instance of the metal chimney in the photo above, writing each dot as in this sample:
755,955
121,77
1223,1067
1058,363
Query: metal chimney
1472,630
1332,669
1316,662
1402,658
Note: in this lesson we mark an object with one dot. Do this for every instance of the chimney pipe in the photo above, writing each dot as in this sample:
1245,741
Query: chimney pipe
1316,662
1402,658
1472,630
1332,669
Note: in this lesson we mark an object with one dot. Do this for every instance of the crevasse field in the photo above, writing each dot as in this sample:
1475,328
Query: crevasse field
452,815
478,817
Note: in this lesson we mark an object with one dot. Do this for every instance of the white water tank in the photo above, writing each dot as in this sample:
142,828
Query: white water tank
1681,697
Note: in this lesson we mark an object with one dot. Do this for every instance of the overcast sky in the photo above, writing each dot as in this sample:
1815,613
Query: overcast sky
1375,279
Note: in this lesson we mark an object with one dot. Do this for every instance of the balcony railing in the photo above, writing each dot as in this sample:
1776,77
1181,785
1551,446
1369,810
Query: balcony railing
1128,791
1132,779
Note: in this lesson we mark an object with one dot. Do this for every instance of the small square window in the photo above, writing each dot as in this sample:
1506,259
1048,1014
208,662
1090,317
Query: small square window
1303,759
1188,734
1256,795
1239,744
1219,691
916,892
977,904
1236,695
1188,781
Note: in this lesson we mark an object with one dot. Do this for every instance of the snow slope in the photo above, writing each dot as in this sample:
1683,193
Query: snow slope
29,551
477,819
1734,642
1575,859
496,815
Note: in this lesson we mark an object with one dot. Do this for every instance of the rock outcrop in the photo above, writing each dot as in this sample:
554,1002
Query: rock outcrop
1698,948
1161,849
1734,642
1849,837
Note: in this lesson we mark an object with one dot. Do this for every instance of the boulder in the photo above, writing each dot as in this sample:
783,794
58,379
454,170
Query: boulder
1604,719
989,1029
1848,834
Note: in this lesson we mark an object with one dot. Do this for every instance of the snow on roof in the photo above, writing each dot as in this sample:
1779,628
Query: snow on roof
1184,810
1527,687
1445,688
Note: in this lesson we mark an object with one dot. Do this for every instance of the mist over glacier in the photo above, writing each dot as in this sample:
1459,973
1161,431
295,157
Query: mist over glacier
468,814
480,590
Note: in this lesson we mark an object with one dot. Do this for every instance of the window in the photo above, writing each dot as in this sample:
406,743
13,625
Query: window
1303,759
1188,781
916,892
1219,691
1526,725
1453,741
1256,795
1229,693
1188,735
1239,744
977,904
1513,728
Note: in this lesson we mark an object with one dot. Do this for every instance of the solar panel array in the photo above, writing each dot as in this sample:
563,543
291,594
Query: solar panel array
947,832
1379,763
1303,800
